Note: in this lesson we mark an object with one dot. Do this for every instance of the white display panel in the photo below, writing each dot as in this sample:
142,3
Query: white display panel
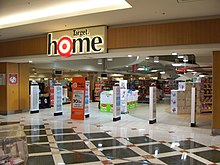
123,88
58,102
87,99
152,105
34,98
116,103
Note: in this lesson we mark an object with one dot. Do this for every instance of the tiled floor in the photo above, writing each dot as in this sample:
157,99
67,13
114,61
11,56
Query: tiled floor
99,140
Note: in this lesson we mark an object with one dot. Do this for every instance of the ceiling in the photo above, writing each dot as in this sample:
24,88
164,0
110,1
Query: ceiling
142,11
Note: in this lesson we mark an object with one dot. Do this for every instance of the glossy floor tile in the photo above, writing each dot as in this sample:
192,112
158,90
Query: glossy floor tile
141,139
211,155
72,146
156,148
72,158
41,160
119,153
98,140
97,135
179,160
106,143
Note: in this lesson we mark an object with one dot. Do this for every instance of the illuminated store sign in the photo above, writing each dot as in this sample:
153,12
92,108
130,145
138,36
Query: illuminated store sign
77,41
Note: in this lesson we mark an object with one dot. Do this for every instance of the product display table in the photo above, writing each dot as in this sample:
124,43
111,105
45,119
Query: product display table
13,145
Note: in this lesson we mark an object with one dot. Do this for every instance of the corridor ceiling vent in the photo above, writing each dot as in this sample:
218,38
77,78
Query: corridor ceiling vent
39,11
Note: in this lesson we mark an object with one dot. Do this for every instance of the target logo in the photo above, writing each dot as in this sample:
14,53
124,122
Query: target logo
65,46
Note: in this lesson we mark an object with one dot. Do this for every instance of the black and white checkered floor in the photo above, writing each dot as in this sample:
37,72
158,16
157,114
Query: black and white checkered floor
99,140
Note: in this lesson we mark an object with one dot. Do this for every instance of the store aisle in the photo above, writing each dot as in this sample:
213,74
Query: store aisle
164,116
99,140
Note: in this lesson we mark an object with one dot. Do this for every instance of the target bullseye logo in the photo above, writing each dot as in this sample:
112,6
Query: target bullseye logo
65,46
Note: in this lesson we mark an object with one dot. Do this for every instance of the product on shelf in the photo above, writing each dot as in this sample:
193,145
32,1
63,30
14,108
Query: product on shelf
206,94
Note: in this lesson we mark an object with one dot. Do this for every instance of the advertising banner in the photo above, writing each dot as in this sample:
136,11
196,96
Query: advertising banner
87,99
34,107
116,103
106,101
58,102
78,98
152,105
124,93
12,79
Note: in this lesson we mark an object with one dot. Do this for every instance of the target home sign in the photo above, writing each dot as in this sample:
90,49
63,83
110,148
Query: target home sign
77,41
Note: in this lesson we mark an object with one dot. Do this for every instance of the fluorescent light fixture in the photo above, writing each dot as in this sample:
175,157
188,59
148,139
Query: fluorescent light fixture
129,55
109,59
60,10
140,69
189,70
185,59
201,75
100,61
30,61
147,58
154,70
156,59
138,57
176,64
174,53
126,66
194,72
180,56
162,72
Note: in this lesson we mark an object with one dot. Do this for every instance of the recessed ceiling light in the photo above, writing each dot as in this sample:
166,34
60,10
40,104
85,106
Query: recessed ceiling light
174,53
109,59
129,55
61,10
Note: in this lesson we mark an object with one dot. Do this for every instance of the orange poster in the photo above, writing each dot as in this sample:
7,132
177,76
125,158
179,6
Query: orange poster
78,99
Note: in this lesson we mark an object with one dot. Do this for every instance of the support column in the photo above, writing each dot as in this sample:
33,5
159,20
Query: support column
216,94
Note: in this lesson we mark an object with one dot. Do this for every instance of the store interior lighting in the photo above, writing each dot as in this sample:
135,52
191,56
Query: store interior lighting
59,10
180,56
147,58
156,59
185,59
109,59
162,72
100,61
174,53
129,55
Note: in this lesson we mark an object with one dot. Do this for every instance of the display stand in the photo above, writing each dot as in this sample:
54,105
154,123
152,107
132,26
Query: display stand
34,107
87,100
78,98
58,102
193,107
152,105
124,93
116,103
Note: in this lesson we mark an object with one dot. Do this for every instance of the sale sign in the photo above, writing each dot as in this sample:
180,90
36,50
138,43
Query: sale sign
78,98
12,79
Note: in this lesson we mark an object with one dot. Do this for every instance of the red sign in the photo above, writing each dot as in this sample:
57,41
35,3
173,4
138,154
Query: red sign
12,79
78,98
52,96
134,68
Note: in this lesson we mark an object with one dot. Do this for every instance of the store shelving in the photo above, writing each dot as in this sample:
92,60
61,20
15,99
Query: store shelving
206,94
